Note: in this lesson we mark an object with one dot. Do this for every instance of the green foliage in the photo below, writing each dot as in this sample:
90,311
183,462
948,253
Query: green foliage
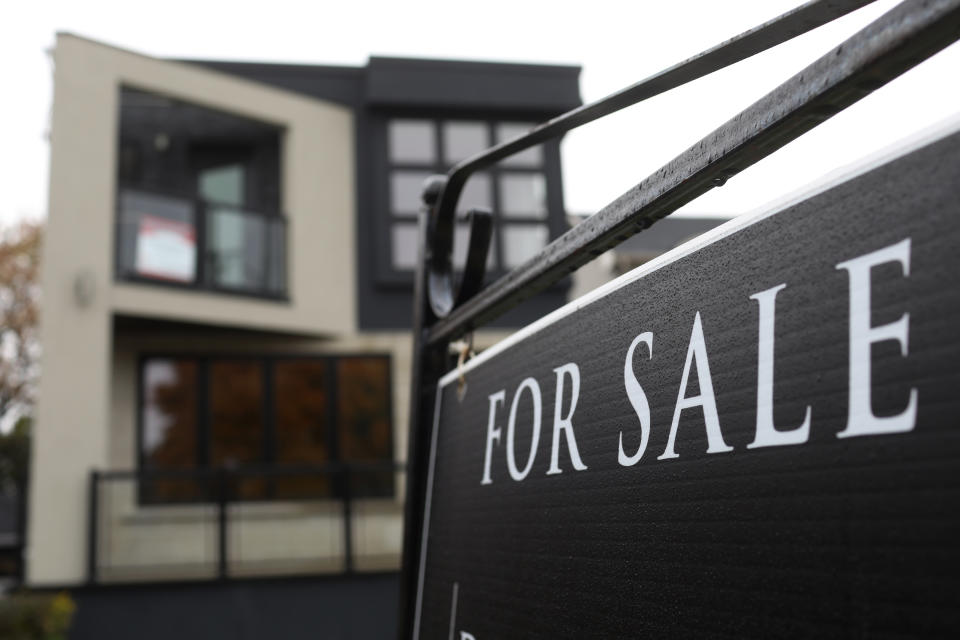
29,616
19,313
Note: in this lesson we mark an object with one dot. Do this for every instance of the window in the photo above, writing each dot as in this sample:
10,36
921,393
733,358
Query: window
199,198
249,413
515,190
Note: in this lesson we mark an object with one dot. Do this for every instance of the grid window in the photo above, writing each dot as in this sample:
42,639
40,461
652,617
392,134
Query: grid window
529,158
412,141
247,414
515,190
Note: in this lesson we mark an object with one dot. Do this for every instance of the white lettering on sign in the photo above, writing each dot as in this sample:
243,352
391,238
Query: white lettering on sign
531,384
493,433
706,399
861,419
767,433
638,400
562,425
565,424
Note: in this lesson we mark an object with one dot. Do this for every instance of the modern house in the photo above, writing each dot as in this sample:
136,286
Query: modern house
227,280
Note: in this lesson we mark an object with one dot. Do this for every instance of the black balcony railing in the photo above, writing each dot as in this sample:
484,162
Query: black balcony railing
169,239
217,524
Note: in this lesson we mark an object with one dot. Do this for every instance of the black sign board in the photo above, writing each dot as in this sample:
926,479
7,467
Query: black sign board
757,436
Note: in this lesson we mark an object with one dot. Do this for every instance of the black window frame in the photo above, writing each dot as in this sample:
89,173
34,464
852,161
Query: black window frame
267,363
388,276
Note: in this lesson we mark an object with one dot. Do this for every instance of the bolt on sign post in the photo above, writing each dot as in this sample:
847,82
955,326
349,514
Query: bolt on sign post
755,435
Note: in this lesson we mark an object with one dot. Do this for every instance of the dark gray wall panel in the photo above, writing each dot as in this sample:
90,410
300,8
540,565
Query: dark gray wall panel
329,608
472,85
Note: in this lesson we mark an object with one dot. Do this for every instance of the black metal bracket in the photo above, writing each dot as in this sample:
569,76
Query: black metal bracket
444,295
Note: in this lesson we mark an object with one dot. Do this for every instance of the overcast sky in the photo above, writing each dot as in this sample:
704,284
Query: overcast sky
616,43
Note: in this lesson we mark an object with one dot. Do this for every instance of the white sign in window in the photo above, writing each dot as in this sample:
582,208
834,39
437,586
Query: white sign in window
166,249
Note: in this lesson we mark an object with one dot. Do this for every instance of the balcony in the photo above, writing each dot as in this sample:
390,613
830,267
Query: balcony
244,523
170,240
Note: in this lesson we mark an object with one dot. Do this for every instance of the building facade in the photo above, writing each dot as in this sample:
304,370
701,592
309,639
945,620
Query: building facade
227,280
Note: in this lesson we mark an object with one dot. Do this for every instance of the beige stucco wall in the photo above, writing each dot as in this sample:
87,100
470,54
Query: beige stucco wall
75,410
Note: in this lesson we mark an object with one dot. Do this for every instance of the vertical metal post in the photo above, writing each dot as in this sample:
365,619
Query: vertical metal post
344,474
221,524
428,365
93,518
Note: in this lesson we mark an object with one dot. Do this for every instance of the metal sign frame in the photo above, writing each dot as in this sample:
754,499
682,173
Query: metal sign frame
897,41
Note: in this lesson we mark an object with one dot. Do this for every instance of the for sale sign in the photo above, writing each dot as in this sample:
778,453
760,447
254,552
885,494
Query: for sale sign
757,435
166,249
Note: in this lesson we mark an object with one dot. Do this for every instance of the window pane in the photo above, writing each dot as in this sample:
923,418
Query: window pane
237,246
405,190
532,157
157,237
236,412
169,414
169,436
476,194
223,185
302,429
462,140
411,141
521,242
363,421
461,239
403,245
523,195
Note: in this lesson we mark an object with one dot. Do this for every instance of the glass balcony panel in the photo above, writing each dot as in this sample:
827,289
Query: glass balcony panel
237,245
304,537
138,543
